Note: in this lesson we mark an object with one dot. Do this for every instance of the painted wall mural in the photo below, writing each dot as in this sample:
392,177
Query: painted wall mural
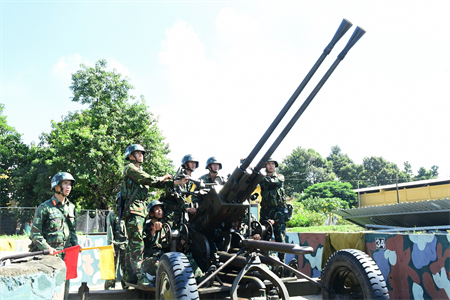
415,266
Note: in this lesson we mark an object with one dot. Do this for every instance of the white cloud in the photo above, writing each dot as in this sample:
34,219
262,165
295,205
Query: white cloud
67,65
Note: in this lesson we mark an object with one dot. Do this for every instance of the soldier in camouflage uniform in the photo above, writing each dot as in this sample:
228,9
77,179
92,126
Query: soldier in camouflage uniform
117,236
213,165
54,222
273,202
153,248
135,188
175,202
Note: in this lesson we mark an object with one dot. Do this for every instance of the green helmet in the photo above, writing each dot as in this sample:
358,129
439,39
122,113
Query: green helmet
153,203
213,160
60,177
187,158
132,148
271,159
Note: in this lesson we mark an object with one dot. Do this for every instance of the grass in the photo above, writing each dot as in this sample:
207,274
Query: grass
332,228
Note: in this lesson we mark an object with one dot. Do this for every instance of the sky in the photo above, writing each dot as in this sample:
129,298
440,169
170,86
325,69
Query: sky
217,73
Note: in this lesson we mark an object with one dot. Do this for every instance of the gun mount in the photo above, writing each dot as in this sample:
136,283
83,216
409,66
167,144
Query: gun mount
214,240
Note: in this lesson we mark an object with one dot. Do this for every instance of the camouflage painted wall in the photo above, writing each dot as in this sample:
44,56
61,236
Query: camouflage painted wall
415,266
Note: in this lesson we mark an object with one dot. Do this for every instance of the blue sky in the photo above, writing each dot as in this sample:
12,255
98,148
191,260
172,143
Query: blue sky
217,73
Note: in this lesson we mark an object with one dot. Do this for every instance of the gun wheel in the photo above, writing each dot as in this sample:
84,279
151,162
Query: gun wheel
175,279
352,274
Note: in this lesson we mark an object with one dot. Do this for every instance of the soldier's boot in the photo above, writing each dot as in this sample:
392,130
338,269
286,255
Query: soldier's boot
123,284
144,281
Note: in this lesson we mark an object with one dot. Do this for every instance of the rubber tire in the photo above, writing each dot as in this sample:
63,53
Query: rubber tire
358,271
175,279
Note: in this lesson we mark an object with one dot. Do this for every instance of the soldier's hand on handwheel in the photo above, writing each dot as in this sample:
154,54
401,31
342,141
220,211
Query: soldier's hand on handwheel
158,226
181,181
256,237
167,176
191,210
271,222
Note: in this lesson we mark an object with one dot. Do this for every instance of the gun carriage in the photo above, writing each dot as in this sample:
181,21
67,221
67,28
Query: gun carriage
211,237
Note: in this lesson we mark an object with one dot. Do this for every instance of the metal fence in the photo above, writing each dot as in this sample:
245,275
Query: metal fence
18,220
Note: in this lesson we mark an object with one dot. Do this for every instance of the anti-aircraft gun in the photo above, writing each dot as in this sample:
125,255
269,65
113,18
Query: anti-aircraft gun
213,240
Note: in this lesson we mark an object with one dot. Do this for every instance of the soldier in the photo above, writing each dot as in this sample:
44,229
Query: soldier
175,202
117,236
273,202
54,222
153,248
135,187
213,165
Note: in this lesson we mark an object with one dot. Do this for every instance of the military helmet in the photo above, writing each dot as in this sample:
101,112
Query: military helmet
187,158
271,159
132,148
153,203
213,160
60,177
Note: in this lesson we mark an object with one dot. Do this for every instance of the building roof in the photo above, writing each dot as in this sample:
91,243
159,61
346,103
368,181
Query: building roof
419,183
409,214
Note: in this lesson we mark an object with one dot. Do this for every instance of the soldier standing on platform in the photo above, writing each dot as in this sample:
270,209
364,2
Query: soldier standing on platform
176,203
54,222
135,188
273,202
213,165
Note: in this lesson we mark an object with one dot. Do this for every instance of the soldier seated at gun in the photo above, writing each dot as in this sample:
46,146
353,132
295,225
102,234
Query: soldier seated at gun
117,236
175,199
154,248
244,229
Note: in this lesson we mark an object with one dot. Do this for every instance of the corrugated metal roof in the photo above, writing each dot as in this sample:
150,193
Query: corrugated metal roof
410,214
404,184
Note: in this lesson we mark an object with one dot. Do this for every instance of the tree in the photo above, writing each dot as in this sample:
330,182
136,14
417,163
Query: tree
90,144
303,168
407,170
345,169
378,171
332,189
423,174
12,151
339,160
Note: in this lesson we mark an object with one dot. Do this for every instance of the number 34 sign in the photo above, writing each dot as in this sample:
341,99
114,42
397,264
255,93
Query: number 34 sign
381,243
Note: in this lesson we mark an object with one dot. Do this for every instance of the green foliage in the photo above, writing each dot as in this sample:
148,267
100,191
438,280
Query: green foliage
332,190
324,205
303,168
12,154
423,174
302,217
90,144
378,171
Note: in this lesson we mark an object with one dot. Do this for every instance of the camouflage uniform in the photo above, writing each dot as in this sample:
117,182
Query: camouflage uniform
117,236
136,211
175,203
54,226
243,228
272,206
152,251
208,179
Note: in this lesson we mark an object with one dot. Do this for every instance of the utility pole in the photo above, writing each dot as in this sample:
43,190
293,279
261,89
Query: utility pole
396,183
359,198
